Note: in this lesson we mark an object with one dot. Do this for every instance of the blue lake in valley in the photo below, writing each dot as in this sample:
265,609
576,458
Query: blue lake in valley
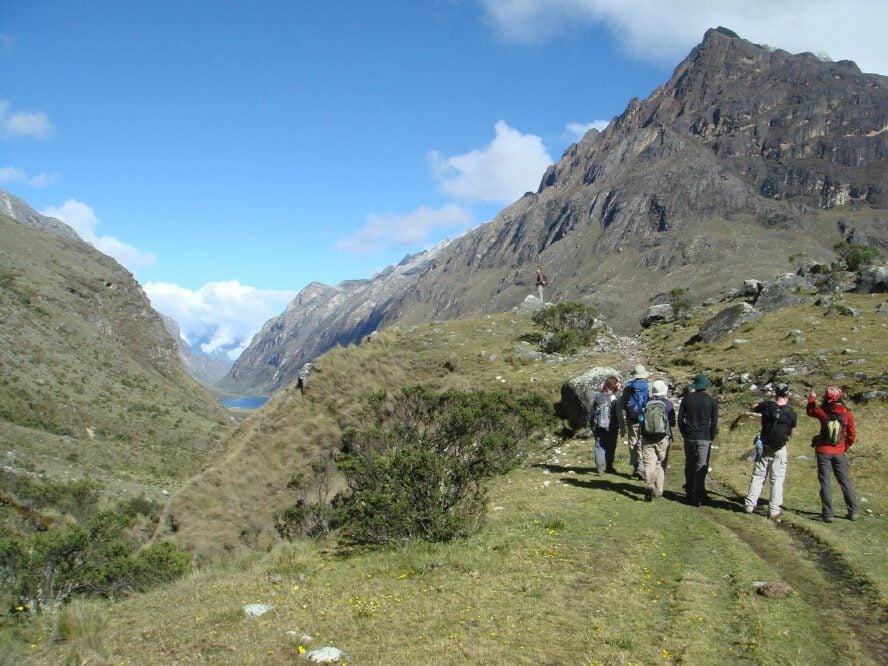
254,402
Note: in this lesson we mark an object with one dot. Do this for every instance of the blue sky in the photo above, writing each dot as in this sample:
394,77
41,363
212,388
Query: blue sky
229,153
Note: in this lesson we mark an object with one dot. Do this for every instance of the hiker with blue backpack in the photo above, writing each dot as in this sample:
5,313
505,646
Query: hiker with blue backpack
778,423
632,402
838,432
698,423
657,421
607,424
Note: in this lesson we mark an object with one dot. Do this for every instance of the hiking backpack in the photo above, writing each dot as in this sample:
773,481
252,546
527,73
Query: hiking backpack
638,397
601,411
833,430
656,419
777,426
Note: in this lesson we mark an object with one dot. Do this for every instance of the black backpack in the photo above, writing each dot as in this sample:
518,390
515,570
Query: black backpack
833,430
777,425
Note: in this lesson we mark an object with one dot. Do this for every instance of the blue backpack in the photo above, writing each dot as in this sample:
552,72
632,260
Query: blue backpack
638,397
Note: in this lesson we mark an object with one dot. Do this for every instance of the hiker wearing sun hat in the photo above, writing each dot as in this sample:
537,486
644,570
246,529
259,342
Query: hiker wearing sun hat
838,432
632,402
698,423
656,435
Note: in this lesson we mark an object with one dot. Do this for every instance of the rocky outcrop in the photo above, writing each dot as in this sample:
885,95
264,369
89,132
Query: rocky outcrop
20,211
656,314
729,319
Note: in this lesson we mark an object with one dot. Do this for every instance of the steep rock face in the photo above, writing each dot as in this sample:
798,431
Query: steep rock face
18,210
745,156
319,318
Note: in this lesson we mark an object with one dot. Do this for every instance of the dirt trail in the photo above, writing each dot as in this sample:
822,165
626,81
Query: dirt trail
814,569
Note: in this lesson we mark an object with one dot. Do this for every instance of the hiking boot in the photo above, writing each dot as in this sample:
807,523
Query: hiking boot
826,519
853,515
611,470
749,509
776,516
648,495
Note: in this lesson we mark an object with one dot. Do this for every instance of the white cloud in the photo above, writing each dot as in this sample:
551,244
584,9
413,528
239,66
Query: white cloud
83,220
509,166
665,30
576,131
33,124
382,232
220,315
16,175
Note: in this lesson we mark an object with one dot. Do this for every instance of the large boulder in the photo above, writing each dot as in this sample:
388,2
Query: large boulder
873,280
577,395
729,319
531,305
785,290
657,313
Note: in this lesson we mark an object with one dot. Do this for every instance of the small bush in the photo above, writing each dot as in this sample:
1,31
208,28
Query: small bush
569,325
856,256
415,467
312,515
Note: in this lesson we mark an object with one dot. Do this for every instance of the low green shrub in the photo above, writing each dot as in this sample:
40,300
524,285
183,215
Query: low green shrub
415,466
570,326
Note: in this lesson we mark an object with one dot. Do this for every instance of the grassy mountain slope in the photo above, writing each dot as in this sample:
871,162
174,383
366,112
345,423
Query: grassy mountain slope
90,382
571,567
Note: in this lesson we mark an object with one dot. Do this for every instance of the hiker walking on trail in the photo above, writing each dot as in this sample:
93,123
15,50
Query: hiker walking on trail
656,435
607,424
838,432
632,402
698,423
778,423
541,282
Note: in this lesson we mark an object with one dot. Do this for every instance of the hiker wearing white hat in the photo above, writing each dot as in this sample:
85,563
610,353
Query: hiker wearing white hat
633,400
656,435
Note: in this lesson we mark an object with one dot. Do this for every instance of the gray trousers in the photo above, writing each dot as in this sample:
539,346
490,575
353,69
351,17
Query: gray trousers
696,466
827,465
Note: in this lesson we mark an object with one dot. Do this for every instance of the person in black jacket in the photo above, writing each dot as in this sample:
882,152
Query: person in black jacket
698,424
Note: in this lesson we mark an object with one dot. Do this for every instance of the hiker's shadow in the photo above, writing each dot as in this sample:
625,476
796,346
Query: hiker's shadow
562,469
630,490
725,502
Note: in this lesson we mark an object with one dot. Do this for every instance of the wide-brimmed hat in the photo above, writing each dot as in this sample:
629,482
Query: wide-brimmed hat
701,381
639,372
659,388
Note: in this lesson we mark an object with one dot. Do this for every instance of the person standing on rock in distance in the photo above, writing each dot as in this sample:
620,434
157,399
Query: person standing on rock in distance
656,436
838,432
632,402
698,423
607,425
778,423
541,282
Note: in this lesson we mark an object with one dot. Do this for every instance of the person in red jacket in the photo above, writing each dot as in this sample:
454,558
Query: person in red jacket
837,434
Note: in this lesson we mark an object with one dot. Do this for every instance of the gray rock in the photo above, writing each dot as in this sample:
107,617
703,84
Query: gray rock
577,395
752,288
530,305
657,313
871,396
256,610
800,339
727,320
785,290
326,655
872,280
883,308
